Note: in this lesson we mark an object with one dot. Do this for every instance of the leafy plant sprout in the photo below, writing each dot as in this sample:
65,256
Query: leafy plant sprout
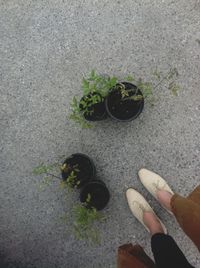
88,101
95,88
84,220
71,181
125,93
169,77
45,169
98,84
77,114
147,88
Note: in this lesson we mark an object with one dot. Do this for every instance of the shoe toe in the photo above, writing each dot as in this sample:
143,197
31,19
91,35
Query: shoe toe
145,174
131,194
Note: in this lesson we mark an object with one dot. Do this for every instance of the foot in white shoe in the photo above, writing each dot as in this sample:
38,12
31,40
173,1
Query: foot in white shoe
164,198
154,183
138,206
152,223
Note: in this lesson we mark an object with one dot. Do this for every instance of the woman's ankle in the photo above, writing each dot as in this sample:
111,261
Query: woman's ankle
152,223
164,198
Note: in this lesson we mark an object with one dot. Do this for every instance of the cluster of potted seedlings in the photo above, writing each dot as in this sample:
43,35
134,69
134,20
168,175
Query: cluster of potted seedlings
78,172
105,96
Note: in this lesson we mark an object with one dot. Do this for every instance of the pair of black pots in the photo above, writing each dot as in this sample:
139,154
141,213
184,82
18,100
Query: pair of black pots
115,107
88,184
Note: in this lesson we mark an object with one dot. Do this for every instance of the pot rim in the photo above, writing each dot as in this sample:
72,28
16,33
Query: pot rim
88,158
129,119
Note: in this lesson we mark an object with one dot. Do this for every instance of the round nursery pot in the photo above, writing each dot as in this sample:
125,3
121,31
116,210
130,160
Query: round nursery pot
124,110
98,192
98,110
83,167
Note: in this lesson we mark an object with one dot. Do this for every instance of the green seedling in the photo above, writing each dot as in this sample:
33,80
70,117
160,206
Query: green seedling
174,88
95,89
146,89
170,78
85,218
70,182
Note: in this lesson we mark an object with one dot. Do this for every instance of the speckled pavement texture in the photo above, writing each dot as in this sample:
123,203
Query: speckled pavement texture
45,49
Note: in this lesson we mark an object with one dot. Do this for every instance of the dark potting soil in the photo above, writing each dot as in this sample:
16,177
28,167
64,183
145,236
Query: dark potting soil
98,192
98,110
124,109
84,165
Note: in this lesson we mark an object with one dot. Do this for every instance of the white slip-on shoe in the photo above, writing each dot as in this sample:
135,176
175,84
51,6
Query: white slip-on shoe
138,205
153,182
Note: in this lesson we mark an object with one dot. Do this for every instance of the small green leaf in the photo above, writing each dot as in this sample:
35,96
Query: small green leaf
110,83
74,102
63,184
93,74
86,86
45,182
146,88
41,169
136,97
84,223
174,88
129,78
88,198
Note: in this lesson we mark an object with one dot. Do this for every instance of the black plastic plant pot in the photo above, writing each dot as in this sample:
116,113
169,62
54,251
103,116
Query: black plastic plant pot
98,194
124,109
82,166
97,112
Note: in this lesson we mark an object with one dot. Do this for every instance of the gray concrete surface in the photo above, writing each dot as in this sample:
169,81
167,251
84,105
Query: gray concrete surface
45,48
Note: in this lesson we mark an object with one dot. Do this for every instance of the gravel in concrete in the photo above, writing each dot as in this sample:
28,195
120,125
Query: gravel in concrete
45,49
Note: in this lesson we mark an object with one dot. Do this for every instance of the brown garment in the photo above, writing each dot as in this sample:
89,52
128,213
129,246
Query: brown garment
130,256
187,213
